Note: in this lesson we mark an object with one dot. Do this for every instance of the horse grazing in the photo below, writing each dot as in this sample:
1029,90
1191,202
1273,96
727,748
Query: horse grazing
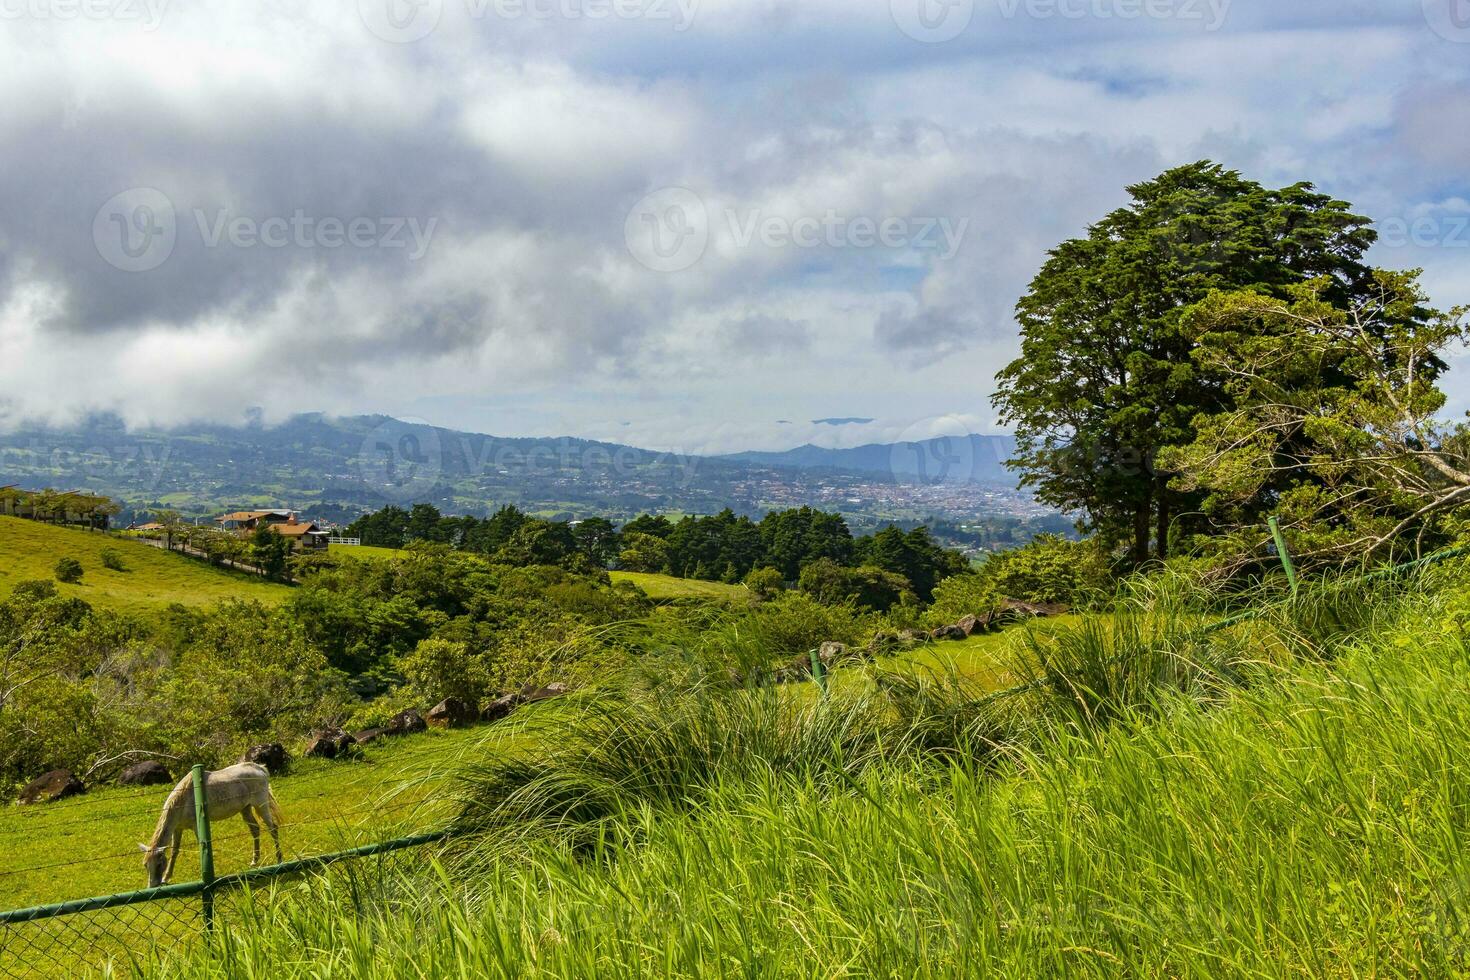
240,789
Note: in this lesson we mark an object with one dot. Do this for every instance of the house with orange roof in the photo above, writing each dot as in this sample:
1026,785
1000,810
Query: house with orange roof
303,535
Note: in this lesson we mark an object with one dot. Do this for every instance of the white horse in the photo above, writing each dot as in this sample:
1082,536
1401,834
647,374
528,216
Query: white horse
240,789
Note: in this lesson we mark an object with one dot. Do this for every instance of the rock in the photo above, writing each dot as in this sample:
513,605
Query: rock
271,755
948,633
330,743
452,713
146,773
1010,610
969,625
405,723
367,735
55,785
501,707
553,690
831,652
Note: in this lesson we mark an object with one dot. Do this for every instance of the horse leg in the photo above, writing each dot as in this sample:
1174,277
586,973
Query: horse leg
270,824
254,834
173,855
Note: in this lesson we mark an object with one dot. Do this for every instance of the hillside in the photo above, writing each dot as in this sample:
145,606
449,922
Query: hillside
973,459
335,468
1279,799
153,578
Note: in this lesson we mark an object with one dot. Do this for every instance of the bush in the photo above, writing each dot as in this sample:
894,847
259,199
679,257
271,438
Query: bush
68,570
959,596
1051,569
439,669
765,583
869,587
111,559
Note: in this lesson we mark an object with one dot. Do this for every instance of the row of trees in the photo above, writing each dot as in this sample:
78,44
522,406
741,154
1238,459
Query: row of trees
61,506
1218,351
265,551
721,547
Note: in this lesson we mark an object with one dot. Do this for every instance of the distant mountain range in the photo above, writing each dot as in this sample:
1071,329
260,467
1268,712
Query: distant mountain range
335,468
950,459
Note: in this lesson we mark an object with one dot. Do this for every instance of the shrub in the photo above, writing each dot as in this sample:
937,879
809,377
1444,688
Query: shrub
796,622
868,586
765,583
439,669
111,559
1051,569
959,596
68,570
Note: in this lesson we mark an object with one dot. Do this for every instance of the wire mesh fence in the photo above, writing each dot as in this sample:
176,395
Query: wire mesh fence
124,932
92,847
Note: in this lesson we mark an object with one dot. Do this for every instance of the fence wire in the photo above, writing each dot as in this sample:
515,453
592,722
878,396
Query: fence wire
125,938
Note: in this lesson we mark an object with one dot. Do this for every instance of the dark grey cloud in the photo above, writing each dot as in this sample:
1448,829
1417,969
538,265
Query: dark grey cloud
525,143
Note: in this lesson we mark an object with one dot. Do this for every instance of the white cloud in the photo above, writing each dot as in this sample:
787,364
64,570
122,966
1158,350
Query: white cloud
526,140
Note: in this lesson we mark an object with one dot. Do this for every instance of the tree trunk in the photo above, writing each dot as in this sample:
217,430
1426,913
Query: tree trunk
1141,531
1165,517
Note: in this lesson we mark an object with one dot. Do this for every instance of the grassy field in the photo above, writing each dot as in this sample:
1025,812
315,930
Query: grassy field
153,578
1187,805
669,587
657,586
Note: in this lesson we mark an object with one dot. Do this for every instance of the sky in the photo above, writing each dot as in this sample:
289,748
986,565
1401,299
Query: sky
696,225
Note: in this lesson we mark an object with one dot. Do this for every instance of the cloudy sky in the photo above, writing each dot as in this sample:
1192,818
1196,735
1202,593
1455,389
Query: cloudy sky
673,223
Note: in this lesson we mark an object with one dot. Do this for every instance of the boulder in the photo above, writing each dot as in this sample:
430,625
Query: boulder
367,735
55,785
553,690
145,773
948,633
831,652
1010,610
451,713
405,723
272,756
501,707
969,625
330,743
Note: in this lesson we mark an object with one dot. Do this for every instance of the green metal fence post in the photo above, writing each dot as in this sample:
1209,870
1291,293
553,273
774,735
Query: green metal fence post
819,672
206,847
1283,552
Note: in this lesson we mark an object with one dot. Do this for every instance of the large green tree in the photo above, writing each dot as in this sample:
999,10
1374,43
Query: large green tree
1336,418
1105,381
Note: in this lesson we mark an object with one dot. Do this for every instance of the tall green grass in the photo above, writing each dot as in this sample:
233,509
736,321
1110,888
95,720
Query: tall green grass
1275,819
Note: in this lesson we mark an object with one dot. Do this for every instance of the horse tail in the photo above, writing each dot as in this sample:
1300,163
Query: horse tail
270,800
